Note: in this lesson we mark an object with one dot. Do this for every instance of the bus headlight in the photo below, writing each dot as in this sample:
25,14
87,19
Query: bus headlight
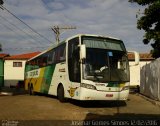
125,88
88,86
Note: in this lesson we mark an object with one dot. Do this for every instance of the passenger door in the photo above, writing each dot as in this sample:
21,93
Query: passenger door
74,68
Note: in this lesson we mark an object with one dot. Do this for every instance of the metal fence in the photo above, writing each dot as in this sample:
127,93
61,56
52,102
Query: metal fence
150,80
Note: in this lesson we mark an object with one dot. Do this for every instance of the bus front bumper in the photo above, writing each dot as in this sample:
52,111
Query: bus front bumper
89,94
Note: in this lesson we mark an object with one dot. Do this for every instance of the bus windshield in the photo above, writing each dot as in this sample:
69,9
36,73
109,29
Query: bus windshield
105,63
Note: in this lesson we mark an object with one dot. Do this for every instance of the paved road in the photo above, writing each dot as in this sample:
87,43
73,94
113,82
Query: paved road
25,107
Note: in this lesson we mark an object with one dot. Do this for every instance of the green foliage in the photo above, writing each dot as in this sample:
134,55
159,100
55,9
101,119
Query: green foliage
1,2
150,23
143,2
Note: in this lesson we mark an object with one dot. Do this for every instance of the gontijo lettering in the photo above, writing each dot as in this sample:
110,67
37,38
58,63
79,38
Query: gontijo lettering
34,73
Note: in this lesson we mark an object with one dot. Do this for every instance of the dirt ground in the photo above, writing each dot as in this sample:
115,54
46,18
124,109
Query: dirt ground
25,107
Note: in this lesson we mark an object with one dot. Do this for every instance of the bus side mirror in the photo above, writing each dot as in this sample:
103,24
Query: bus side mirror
137,58
82,52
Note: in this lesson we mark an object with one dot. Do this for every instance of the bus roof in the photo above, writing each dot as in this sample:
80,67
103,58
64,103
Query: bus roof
92,35
64,41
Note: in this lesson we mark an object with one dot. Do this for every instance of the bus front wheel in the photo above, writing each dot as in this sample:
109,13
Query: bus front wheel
60,93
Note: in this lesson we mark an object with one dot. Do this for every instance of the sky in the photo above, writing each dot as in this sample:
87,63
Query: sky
116,18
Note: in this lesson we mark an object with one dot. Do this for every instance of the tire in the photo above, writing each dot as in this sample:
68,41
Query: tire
31,91
138,89
60,93
28,89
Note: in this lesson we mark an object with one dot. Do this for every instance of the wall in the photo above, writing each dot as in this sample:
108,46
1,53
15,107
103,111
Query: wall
1,73
135,72
150,80
13,74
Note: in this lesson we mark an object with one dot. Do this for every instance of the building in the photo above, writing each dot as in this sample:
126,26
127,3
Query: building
2,56
145,58
14,68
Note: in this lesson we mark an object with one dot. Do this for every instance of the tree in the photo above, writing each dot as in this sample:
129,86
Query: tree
150,23
1,2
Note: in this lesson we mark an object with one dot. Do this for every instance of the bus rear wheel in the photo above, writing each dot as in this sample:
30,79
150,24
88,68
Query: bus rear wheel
31,91
60,93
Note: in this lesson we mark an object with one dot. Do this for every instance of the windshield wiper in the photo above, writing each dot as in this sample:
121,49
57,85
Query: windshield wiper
98,75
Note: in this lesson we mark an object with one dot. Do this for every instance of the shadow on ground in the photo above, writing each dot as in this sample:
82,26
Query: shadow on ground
90,104
98,104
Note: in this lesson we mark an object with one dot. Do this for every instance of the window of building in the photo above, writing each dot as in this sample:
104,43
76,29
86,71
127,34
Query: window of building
17,64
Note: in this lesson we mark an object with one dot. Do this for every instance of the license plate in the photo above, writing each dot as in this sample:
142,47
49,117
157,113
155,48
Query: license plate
109,95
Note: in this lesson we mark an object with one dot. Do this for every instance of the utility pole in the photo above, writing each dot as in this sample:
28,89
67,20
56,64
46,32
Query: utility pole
0,47
1,3
57,29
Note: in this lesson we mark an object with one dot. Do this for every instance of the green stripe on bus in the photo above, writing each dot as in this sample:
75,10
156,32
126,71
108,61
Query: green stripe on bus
49,70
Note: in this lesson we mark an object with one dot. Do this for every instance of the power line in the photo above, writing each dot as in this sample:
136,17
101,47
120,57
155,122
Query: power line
18,48
25,24
23,48
28,34
26,48
7,27
20,29
15,27
11,30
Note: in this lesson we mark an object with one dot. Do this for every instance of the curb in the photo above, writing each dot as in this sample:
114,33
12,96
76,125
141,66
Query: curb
6,94
154,102
12,93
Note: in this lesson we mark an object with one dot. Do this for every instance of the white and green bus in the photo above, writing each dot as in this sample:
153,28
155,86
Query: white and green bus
83,67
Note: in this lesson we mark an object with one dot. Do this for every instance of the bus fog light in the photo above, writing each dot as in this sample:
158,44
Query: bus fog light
88,86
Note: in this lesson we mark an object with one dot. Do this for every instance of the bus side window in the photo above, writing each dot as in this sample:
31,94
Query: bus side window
63,53
56,56
40,61
53,57
33,64
36,64
43,60
60,53
50,57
